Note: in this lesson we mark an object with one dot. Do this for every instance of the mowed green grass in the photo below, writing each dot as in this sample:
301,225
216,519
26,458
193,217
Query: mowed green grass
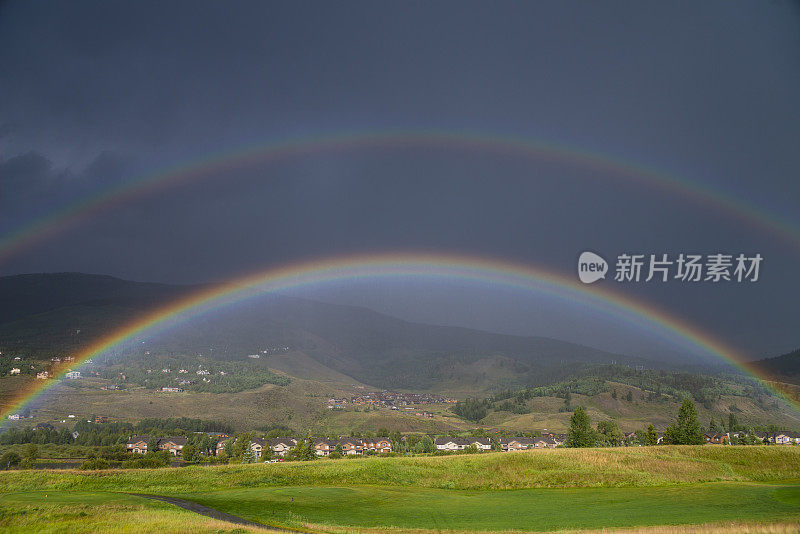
315,508
527,510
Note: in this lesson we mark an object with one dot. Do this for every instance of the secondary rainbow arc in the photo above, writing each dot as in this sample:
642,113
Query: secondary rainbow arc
453,267
199,169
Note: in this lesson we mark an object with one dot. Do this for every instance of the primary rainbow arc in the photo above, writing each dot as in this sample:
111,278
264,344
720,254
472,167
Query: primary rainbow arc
451,267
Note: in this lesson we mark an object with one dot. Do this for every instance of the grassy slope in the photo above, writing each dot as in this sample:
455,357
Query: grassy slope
568,468
301,405
550,489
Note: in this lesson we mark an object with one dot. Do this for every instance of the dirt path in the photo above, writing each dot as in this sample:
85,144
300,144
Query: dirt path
210,512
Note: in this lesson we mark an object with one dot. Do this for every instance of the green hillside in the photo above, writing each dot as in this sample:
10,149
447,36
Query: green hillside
60,314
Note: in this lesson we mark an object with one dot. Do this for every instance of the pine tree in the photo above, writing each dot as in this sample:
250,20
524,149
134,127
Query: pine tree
733,424
712,426
580,430
609,433
687,428
652,436
249,456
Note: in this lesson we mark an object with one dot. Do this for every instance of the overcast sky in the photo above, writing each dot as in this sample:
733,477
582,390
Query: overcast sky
95,94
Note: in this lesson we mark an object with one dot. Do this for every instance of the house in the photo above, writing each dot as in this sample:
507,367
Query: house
380,445
449,444
44,426
281,446
765,437
16,417
221,446
137,444
351,446
43,375
73,375
545,442
324,447
98,419
258,444
516,444
174,444
15,371
170,389
459,444
785,438
715,438
482,444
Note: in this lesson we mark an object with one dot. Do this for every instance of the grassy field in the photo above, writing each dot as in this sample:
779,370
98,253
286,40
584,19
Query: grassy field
528,491
40,512
559,468
537,510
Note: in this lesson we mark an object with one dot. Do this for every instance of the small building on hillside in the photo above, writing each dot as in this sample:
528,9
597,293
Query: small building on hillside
174,444
517,443
324,447
545,442
351,446
73,375
258,444
381,445
459,444
281,446
715,438
137,444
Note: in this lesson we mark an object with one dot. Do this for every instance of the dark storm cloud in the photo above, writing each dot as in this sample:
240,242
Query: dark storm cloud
22,175
97,93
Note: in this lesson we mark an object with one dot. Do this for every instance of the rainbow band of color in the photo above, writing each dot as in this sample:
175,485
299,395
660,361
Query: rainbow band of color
219,163
450,267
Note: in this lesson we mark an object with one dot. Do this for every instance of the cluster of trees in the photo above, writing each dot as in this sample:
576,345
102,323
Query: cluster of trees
28,458
471,409
685,431
657,385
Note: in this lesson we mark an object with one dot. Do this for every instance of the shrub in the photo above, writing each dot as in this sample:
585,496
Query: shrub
94,463
9,460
